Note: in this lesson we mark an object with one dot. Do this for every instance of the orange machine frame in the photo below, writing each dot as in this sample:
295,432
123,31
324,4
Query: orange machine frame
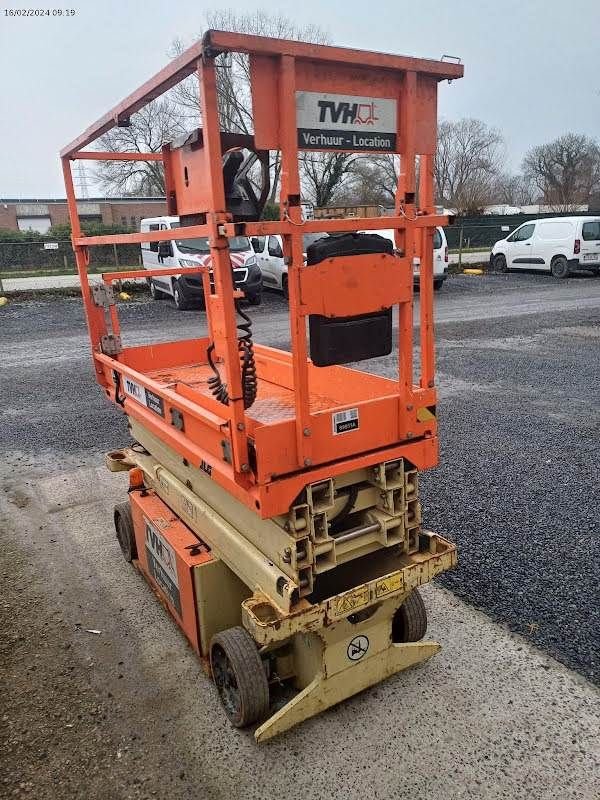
265,455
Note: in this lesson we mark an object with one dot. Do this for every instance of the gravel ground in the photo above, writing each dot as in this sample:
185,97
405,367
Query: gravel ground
517,485
517,489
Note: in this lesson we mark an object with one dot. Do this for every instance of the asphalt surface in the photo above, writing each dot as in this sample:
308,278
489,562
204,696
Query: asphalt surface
124,713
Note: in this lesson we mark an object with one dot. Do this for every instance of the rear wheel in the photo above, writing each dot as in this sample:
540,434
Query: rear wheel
125,532
560,267
239,676
254,299
410,620
155,293
499,263
181,301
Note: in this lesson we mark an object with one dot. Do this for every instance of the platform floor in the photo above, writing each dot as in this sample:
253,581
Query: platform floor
274,403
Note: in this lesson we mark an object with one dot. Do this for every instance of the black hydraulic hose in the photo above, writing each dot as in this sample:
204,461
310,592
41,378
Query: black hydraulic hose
246,351
119,398
346,509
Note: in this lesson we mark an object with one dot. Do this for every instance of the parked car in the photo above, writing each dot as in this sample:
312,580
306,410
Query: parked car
440,257
185,289
269,252
558,245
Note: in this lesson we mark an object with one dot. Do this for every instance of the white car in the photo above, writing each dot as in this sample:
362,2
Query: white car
558,245
187,289
440,257
269,252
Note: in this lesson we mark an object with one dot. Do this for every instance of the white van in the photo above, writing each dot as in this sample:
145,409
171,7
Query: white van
185,289
440,257
557,244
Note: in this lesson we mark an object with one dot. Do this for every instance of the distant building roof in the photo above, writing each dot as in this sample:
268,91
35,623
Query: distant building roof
46,201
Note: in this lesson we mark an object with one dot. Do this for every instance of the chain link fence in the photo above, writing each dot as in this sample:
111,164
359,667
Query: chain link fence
481,233
57,257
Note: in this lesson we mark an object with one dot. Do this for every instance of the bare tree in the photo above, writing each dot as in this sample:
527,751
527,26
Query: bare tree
179,110
373,180
468,159
514,190
158,122
566,171
233,71
324,175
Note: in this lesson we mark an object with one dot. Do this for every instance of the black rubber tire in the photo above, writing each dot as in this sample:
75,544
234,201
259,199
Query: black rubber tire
410,620
284,287
239,676
559,267
155,293
254,299
125,532
181,301
499,263
437,285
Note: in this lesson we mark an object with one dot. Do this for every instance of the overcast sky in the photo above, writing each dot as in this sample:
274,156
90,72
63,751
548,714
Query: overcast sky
532,67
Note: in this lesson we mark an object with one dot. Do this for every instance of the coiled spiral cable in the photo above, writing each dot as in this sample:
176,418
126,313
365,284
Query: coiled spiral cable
246,351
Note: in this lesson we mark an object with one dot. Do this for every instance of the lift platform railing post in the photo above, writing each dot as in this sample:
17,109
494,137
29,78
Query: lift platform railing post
220,306
293,251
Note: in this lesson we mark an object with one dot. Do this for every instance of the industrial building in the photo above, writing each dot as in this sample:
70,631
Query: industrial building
24,214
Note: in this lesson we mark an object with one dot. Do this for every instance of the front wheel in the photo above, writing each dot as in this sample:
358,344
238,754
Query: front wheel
181,301
284,287
125,532
560,267
239,676
499,263
437,285
254,299
409,623
155,293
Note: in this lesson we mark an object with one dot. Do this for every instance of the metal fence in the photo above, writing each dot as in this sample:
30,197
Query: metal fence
482,232
58,257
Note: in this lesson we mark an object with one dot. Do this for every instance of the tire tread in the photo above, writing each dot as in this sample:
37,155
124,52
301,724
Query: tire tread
122,512
412,618
240,649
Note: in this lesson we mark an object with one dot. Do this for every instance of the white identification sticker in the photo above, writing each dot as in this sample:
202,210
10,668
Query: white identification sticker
162,564
344,421
144,396
135,390
162,551
345,122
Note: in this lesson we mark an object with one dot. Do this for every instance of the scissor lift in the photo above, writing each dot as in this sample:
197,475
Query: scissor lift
274,500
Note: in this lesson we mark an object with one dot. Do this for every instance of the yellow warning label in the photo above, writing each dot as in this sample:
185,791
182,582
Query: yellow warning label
391,583
350,601
424,415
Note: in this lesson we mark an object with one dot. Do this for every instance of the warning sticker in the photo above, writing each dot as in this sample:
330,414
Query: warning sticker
357,648
344,421
391,583
351,601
